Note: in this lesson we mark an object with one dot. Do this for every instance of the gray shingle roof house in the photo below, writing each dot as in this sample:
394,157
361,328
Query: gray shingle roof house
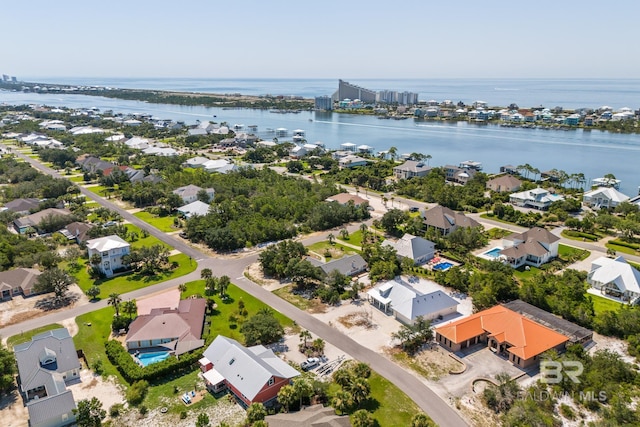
533,247
446,220
348,265
410,169
22,206
407,303
413,247
253,374
19,281
45,365
504,183
22,224
179,330
189,193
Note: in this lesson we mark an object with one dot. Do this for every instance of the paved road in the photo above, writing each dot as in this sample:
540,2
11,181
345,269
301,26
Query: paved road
425,398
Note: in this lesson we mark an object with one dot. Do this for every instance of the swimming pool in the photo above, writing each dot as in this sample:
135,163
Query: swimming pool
493,253
147,359
442,266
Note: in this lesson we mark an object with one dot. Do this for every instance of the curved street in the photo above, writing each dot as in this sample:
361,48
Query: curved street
425,398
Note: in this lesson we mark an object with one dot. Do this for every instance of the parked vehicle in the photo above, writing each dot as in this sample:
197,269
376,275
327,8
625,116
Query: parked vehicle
310,363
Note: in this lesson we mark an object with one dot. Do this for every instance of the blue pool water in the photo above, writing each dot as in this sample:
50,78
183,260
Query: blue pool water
493,253
147,359
442,266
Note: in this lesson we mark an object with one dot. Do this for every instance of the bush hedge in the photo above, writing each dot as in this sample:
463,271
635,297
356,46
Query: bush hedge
620,242
575,233
153,373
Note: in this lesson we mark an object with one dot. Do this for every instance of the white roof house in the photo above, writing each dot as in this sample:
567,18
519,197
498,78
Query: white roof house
194,208
220,166
195,162
413,247
107,243
138,143
160,151
604,197
407,303
538,198
247,371
615,277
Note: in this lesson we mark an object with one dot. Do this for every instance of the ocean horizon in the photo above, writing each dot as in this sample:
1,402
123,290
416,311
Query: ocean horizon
525,92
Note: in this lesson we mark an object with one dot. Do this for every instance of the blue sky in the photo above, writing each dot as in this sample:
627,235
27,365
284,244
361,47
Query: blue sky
319,39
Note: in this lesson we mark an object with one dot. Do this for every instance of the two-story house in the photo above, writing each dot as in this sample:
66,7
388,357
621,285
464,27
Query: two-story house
111,250
189,193
533,247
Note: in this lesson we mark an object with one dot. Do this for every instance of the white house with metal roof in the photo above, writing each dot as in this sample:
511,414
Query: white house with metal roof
45,365
604,197
537,198
615,277
252,374
407,303
111,249
194,209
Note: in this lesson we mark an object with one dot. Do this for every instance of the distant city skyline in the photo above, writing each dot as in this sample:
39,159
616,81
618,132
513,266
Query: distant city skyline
352,40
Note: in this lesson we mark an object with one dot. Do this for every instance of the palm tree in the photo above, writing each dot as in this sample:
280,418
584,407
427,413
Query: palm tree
428,157
393,151
342,401
223,284
318,345
344,234
182,287
302,388
115,300
360,390
206,273
286,396
304,336
331,238
130,307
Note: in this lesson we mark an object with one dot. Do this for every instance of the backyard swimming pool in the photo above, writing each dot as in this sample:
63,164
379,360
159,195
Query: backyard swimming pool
147,359
442,266
493,253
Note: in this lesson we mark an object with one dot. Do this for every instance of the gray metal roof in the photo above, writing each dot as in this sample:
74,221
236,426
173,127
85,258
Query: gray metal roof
246,369
28,357
413,247
42,411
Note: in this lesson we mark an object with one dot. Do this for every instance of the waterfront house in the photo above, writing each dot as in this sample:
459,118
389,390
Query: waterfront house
534,247
352,161
411,169
46,365
253,374
21,225
178,330
297,152
606,182
189,193
603,197
349,265
504,183
616,278
415,248
572,120
536,198
507,333
19,281
406,303
510,169
445,220
111,249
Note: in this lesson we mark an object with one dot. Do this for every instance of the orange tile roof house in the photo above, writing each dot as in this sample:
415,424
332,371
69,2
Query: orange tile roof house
506,332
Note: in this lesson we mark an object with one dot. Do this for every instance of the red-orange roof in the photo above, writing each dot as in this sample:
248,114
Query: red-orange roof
526,337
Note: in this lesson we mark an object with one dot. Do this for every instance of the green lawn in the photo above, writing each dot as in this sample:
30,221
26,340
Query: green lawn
521,274
389,406
566,252
219,321
495,218
132,281
98,189
146,241
26,336
601,304
337,249
355,238
78,179
619,248
162,223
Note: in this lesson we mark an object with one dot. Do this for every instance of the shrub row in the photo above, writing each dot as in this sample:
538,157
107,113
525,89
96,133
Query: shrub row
619,242
133,372
575,233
